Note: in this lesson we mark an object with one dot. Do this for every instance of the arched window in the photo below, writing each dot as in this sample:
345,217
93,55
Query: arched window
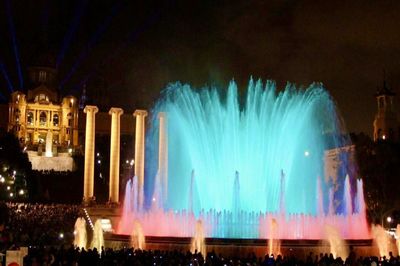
42,118
17,114
55,120
69,117
29,118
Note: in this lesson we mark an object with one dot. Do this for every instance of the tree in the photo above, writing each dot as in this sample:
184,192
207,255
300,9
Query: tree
15,169
379,166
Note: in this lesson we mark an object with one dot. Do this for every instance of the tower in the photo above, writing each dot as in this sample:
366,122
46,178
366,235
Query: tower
386,126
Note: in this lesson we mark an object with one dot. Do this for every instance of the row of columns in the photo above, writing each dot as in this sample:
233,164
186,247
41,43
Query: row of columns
140,133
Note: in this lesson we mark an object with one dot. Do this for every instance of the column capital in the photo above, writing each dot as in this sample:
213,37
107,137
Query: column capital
139,112
90,109
116,110
162,115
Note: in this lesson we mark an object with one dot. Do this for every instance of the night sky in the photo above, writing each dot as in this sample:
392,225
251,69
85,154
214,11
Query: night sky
133,49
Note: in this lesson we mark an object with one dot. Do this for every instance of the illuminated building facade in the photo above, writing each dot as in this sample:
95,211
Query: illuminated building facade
33,115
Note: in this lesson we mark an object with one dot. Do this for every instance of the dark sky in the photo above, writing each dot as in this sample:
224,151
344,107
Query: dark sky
134,48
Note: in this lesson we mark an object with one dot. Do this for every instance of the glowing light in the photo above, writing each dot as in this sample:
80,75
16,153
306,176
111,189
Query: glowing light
306,153
8,188
11,194
2,179
21,192
389,219
61,235
384,137
99,161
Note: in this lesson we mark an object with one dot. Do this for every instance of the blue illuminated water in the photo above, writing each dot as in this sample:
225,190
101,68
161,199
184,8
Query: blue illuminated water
239,152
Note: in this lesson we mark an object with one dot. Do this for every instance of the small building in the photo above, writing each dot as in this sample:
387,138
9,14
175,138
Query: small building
386,124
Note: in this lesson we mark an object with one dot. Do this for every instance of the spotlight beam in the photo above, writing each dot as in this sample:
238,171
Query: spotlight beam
92,42
132,36
6,77
14,43
71,31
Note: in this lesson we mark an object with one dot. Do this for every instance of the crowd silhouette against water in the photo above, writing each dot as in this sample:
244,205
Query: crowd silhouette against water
129,256
38,226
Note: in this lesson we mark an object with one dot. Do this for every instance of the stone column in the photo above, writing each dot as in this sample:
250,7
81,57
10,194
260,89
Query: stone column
139,153
163,153
88,182
115,154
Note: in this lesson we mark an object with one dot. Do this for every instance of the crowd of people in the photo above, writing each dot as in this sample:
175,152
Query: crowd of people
48,232
38,224
129,256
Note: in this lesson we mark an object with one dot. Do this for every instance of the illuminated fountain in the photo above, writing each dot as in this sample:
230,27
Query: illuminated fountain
273,241
381,239
239,166
98,238
80,234
49,144
338,247
198,242
138,240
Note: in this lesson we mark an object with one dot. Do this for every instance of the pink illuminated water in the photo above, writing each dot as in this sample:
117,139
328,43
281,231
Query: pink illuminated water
243,224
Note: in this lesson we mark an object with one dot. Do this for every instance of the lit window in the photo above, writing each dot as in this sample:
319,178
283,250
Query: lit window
69,117
29,118
17,114
55,120
42,118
